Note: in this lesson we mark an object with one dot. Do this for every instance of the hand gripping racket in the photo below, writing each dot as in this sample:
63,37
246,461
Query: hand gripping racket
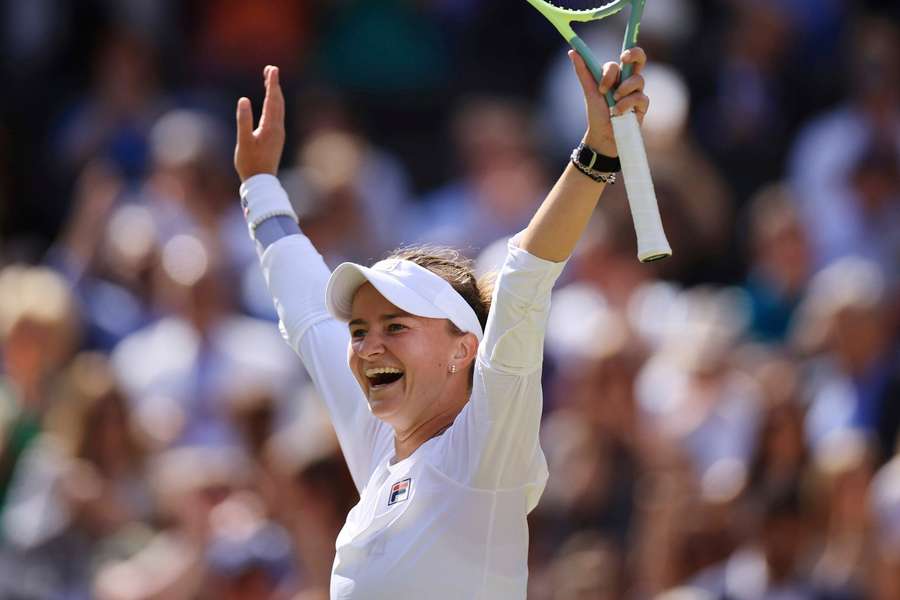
652,243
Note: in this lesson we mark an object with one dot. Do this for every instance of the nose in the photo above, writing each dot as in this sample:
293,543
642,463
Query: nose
370,346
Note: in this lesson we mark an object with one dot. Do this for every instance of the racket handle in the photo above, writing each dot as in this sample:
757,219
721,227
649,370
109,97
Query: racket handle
652,242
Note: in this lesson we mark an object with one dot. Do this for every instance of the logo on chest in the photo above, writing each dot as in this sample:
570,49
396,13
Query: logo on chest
399,491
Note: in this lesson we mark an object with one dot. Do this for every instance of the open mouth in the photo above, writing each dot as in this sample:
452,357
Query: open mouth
383,376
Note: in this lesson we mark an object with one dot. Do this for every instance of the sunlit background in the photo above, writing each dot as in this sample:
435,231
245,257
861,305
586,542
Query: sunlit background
722,425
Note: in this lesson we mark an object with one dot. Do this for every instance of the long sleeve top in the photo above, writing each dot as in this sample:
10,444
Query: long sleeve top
449,521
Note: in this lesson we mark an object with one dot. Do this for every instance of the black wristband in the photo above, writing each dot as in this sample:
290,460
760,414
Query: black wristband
590,159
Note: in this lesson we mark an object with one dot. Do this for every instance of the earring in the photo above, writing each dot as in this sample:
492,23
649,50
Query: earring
452,369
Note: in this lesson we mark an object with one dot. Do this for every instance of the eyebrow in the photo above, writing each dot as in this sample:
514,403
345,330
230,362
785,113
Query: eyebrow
387,317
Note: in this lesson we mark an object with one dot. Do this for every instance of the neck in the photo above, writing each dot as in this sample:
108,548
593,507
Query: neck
407,441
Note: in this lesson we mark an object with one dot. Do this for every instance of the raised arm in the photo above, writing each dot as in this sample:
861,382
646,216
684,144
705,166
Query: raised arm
297,276
561,219
500,426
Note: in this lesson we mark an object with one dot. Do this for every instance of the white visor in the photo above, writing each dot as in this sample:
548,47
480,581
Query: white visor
407,286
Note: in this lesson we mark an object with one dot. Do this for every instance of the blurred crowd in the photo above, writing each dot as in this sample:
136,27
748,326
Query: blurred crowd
720,425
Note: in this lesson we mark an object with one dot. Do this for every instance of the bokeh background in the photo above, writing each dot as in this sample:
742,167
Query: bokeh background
720,425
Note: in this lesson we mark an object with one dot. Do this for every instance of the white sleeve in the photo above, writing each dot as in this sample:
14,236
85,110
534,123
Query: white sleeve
296,276
494,442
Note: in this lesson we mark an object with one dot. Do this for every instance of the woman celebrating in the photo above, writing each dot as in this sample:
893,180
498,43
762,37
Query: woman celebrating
434,390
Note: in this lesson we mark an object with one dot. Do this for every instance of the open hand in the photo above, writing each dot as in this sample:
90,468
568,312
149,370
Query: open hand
259,150
629,96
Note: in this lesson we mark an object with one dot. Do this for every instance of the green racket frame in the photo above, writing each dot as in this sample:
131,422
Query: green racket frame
562,19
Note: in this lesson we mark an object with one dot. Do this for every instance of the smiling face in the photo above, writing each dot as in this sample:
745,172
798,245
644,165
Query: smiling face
401,361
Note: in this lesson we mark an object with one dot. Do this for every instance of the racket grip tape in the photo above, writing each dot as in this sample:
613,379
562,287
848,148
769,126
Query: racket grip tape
651,238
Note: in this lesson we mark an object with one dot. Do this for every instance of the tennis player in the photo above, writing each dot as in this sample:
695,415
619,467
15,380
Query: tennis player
434,392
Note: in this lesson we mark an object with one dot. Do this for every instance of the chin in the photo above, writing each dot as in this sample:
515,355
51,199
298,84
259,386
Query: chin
384,407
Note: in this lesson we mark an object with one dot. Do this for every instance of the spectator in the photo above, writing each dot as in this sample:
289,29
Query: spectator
854,377
113,120
692,393
82,480
182,369
846,194
771,565
40,332
501,182
780,262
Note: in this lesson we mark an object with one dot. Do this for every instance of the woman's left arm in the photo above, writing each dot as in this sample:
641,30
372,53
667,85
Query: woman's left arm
496,438
561,219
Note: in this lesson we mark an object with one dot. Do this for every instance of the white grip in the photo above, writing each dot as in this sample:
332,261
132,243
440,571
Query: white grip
652,243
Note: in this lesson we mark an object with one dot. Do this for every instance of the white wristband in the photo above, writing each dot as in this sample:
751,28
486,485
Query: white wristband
262,197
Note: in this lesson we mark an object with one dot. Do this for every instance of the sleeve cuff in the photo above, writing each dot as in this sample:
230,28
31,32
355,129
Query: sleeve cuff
262,197
524,258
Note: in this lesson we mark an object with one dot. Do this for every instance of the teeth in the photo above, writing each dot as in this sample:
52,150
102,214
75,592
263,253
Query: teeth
381,371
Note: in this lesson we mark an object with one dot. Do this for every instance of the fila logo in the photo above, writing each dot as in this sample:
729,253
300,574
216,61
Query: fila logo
399,491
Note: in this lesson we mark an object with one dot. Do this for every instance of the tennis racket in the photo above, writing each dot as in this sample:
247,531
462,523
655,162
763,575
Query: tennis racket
651,238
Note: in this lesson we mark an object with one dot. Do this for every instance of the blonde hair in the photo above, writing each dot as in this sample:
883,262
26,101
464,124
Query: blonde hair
38,295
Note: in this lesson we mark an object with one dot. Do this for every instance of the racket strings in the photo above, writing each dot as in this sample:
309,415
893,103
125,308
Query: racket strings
582,6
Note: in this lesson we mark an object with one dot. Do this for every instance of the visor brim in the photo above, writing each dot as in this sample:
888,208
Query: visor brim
346,280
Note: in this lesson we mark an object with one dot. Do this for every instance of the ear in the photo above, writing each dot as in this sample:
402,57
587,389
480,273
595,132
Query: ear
465,350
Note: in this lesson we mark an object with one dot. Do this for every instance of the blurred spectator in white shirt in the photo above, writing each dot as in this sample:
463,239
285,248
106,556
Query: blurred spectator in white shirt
692,392
843,165
853,375
182,369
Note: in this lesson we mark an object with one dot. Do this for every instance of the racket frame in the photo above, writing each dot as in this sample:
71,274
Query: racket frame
562,19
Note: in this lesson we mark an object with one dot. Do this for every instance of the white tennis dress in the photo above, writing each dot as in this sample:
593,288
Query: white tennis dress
449,521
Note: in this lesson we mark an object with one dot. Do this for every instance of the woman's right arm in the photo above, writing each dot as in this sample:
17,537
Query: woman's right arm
296,276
